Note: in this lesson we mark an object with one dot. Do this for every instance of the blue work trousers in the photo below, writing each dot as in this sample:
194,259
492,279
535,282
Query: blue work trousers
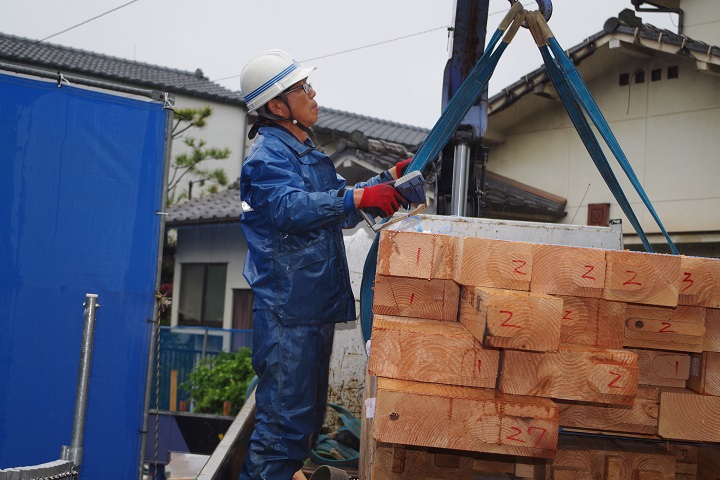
292,363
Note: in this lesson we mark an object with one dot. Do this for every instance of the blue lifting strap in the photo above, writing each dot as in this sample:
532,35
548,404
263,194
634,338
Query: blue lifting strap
575,97
581,94
466,96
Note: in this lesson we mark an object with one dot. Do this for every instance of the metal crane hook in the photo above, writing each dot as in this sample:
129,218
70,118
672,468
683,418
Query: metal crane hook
545,7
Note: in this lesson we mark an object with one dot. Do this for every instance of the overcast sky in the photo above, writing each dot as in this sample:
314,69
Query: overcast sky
382,58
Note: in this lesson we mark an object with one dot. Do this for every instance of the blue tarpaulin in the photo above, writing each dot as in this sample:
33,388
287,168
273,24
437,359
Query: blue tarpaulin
80,184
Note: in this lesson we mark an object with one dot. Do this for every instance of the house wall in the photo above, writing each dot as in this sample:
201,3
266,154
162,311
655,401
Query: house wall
219,243
667,129
226,128
702,20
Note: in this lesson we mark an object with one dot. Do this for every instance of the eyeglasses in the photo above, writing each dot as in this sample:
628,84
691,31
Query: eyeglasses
306,87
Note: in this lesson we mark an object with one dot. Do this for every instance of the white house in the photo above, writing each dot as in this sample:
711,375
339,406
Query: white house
660,92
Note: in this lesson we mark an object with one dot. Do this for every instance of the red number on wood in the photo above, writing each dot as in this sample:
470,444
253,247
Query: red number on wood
664,329
518,432
521,263
688,280
587,274
515,435
479,366
412,297
542,434
417,257
618,376
632,280
567,315
509,316
677,366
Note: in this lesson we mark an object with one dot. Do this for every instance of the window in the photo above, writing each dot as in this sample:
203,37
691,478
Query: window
640,76
656,74
673,72
202,294
242,309
624,79
598,214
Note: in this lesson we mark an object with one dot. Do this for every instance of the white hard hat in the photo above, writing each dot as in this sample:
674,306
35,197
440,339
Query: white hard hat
268,75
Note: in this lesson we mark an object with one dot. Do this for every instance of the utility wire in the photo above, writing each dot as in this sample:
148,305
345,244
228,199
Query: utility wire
87,21
372,44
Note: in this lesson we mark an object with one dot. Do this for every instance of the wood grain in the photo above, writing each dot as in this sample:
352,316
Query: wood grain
686,415
512,319
566,270
639,418
680,329
415,254
662,369
705,373
464,418
592,321
414,297
572,373
430,351
700,282
484,262
638,277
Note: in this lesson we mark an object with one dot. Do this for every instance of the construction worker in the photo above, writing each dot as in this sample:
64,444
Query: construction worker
296,263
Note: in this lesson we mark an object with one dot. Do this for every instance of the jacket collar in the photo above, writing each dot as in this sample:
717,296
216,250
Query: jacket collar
285,136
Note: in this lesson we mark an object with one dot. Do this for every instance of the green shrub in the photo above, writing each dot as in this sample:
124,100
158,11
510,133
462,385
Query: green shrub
216,380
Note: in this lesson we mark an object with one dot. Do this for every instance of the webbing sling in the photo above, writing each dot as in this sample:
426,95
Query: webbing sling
582,95
466,96
575,97
583,128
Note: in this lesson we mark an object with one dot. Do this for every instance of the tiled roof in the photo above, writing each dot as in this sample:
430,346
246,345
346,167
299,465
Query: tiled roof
345,123
220,207
72,61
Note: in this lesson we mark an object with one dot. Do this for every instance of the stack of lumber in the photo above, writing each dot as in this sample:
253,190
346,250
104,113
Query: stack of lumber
483,350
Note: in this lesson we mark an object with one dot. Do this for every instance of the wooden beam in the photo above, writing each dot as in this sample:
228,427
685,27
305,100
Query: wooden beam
705,373
592,321
463,418
435,299
639,418
595,458
711,341
700,283
572,373
512,319
662,369
686,415
485,262
430,351
414,254
679,329
637,277
571,271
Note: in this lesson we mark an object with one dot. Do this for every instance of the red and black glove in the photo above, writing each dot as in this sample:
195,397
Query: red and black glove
383,198
401,166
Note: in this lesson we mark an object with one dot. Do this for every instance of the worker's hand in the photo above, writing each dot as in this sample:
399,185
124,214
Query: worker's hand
398,170
401,166
382,197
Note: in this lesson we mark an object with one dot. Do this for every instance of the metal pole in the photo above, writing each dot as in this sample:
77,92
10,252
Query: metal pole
155,321
73,453
458,200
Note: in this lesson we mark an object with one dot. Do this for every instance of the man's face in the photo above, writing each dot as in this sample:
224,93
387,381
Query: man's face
304,107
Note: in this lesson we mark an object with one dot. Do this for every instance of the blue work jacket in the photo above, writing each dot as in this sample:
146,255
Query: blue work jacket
296,263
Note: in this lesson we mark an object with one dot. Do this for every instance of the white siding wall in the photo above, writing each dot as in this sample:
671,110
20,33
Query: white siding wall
702,20
667,129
